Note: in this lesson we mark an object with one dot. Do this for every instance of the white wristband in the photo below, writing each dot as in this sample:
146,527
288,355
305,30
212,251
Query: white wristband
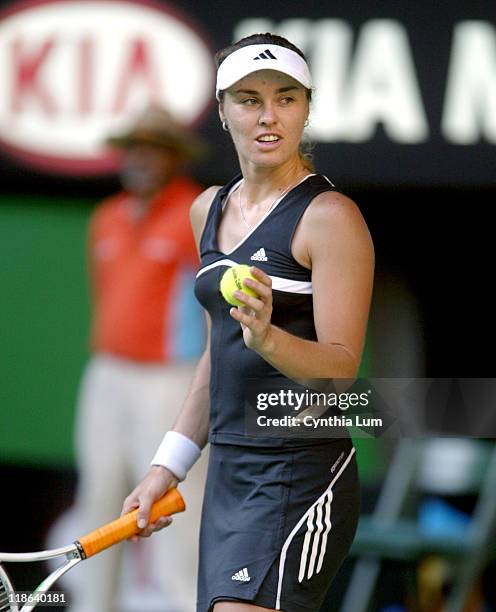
177,453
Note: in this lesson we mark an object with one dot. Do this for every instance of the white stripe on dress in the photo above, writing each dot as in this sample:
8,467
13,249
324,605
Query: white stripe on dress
291,286
327,521
316,539
279,284
289,539
306,546
323,505
222,262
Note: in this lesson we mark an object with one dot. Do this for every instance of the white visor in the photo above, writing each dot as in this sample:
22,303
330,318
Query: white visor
249,59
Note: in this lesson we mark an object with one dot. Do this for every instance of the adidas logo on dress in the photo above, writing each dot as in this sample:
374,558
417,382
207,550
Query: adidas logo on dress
242,575
259,255
265,55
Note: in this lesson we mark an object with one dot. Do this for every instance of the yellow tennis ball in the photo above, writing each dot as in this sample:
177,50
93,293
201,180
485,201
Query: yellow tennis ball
232,280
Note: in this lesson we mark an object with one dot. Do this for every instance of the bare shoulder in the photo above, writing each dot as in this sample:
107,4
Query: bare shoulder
199,210
333,207
334,213
333,225
201,204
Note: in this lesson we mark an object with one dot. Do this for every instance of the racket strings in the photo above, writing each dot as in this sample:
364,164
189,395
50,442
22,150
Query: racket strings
6,591
4,599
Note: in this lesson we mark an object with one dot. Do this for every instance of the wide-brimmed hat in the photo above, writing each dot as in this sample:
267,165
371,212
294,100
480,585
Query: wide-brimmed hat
155,126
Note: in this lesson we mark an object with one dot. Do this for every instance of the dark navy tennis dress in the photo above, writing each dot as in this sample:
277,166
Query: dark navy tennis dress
279,514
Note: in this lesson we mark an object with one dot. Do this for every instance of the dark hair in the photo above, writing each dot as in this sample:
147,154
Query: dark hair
269,39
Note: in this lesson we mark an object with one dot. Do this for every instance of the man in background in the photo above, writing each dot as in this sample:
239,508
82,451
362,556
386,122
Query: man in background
144,339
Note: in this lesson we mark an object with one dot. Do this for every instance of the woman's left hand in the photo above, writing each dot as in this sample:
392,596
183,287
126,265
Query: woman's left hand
256,314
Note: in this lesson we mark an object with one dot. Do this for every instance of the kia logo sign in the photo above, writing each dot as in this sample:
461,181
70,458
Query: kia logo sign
73,72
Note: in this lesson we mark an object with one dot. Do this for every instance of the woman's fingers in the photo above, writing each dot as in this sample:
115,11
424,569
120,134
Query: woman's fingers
262,286
145,506
255,313
149,490
242,317
250,301
130,503
261,276
161,523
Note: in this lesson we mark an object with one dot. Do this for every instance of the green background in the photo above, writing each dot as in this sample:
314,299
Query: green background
44,326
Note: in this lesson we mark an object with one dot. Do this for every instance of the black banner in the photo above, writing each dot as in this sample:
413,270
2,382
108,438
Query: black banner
405,94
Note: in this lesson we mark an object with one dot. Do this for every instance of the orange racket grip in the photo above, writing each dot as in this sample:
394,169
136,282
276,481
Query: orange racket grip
126,526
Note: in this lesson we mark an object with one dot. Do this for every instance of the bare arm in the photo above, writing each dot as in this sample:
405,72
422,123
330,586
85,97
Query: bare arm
335,242
193,419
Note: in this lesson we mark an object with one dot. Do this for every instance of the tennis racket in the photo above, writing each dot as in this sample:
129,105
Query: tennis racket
83,548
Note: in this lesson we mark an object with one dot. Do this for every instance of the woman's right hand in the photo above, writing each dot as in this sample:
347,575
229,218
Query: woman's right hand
153,486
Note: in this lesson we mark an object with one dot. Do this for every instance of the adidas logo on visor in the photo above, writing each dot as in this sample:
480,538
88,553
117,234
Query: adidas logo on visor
265,55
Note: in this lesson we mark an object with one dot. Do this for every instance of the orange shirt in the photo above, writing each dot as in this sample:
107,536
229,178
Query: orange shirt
140,270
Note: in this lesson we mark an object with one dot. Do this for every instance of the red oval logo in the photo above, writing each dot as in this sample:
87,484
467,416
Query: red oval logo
74,72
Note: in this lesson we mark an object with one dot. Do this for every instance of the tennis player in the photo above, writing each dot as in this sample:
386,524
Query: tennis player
279,514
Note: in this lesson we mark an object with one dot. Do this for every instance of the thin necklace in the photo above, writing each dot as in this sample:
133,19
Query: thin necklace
279,197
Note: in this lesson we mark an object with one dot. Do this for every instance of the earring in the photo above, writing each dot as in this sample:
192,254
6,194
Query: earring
307,123
225,127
